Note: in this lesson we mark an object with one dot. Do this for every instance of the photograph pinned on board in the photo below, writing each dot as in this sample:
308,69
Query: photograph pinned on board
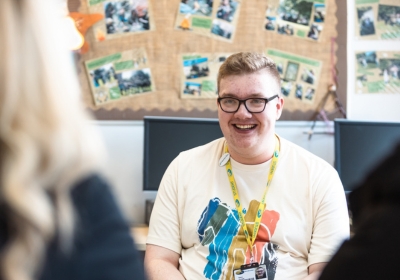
285,29
367,60
196,68
390,70
292,69
227,9
361,81
314,32
294,11
298,18
270,23
366,17
377,72
308,75
196,7
286,87
103,76
192,88
299,91
309,94
134,82
280,67
119,75
126,16
222,28
388,22
319,12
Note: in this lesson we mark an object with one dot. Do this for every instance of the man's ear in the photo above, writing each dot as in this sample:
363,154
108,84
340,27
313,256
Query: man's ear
279,107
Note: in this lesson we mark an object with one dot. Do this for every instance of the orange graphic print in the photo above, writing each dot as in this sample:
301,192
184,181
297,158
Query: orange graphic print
239,252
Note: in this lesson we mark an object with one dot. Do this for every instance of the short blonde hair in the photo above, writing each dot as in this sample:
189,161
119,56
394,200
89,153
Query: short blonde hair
247,63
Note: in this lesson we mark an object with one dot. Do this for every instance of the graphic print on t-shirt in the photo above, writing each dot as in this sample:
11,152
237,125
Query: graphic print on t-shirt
219,228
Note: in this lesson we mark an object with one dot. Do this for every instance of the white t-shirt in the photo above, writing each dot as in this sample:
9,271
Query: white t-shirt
304,222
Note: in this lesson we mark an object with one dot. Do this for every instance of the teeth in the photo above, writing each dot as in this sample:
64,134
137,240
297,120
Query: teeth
245,126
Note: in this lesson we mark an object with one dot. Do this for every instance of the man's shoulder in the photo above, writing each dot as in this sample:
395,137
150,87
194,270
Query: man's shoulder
212,148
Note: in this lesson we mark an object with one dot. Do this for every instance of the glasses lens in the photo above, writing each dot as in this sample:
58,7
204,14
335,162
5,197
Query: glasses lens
229,104
255,105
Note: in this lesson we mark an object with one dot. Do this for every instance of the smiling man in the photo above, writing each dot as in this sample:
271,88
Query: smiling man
248,199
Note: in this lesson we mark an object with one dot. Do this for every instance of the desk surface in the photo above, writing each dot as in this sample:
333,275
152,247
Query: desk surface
140,235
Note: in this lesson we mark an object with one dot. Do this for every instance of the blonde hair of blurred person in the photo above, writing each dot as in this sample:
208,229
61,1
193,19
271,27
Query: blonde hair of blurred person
46,141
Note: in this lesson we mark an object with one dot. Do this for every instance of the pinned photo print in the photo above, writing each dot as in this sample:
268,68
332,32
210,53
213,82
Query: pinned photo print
270,23
308,75
319,12
133,82
222,28
296,11
227,9
192,88
367,60
389,21
285,29
199,74
309,93
196,68
196,7
280,67
291,71
390,70
299,91
286,87
126,16
314,31
377,72
301,75
365,17
103,76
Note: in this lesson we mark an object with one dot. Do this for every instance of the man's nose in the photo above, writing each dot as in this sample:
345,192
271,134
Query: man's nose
242,111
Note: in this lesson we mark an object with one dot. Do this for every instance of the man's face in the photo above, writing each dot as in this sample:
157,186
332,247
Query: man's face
250,135
260,272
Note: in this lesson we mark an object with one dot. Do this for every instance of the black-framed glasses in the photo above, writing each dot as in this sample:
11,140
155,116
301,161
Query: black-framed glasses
253,105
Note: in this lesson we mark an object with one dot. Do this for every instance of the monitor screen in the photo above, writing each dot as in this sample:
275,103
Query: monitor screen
166,137
360,146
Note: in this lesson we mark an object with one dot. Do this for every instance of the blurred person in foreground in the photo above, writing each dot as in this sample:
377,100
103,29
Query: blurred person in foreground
248,198
58,218
373,250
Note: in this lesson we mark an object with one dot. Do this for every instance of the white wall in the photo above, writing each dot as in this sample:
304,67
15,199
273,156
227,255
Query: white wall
124,143
379,107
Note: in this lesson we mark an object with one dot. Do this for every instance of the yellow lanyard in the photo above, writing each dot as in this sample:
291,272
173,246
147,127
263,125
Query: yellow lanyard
261,207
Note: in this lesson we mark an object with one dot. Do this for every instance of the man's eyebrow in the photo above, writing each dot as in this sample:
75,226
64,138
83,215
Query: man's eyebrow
251,95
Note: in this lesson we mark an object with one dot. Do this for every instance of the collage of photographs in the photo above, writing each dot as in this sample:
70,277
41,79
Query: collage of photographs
199,75
378,20
127,74
216,19
121,18
299,75
119,76
377,72
299,18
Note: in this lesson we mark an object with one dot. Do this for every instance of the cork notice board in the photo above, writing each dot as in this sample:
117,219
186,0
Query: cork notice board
164,45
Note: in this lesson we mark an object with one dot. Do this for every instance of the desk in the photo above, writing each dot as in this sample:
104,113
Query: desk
140,235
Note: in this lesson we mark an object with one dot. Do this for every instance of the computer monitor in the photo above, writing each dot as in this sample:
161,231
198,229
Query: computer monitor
166,137
360,146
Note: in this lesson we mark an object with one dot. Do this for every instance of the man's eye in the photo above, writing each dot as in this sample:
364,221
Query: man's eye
229,101
257,101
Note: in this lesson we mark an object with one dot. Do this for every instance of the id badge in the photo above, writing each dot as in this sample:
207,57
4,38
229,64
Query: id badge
250,272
